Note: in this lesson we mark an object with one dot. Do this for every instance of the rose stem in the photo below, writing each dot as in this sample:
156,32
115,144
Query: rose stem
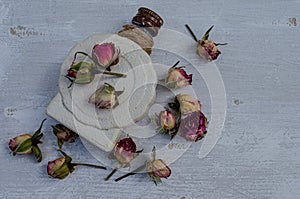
191,32
221,44
131,173
113,171
175,64
111,174
105,72
89,165
112,73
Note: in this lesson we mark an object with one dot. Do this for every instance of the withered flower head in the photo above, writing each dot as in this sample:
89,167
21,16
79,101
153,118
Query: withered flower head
105,97
185,104
64,134
193,127
157,168
206,48
178,78
60,168
26,143
106,54
167,120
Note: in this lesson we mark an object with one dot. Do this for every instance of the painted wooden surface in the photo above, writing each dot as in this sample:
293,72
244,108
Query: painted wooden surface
258,153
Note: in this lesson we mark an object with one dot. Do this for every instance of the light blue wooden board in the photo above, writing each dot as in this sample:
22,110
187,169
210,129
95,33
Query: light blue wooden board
258,153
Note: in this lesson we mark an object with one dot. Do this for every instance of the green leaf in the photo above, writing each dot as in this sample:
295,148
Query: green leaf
60,143
37,153
76,67
24,146
38,137
68,159
206,35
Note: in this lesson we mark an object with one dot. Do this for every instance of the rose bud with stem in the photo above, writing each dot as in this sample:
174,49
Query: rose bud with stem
207,49
64,134
156,169
26,143
84,72
62,167
124,151
178,78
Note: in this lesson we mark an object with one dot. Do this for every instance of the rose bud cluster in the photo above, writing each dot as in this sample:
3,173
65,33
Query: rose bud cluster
106,54
157,168
27,144
64,134
178,78
124,151
193,123
105,97
206,48
60,168
193,126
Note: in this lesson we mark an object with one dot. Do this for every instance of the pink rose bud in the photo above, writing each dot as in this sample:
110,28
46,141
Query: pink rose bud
58,168
167,120
82,73
62,167
21,144
64,134
125,150
178,78
186,104
105,97
26,143
193,126
106,54
206,48
157,168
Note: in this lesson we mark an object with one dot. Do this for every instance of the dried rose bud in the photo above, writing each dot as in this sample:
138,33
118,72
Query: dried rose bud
125,150
62,167
64,134
82,73
178,78
21,144
157,168
186,104
106,54
167,120
26,143
206,48
105,97
193,126
58,168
